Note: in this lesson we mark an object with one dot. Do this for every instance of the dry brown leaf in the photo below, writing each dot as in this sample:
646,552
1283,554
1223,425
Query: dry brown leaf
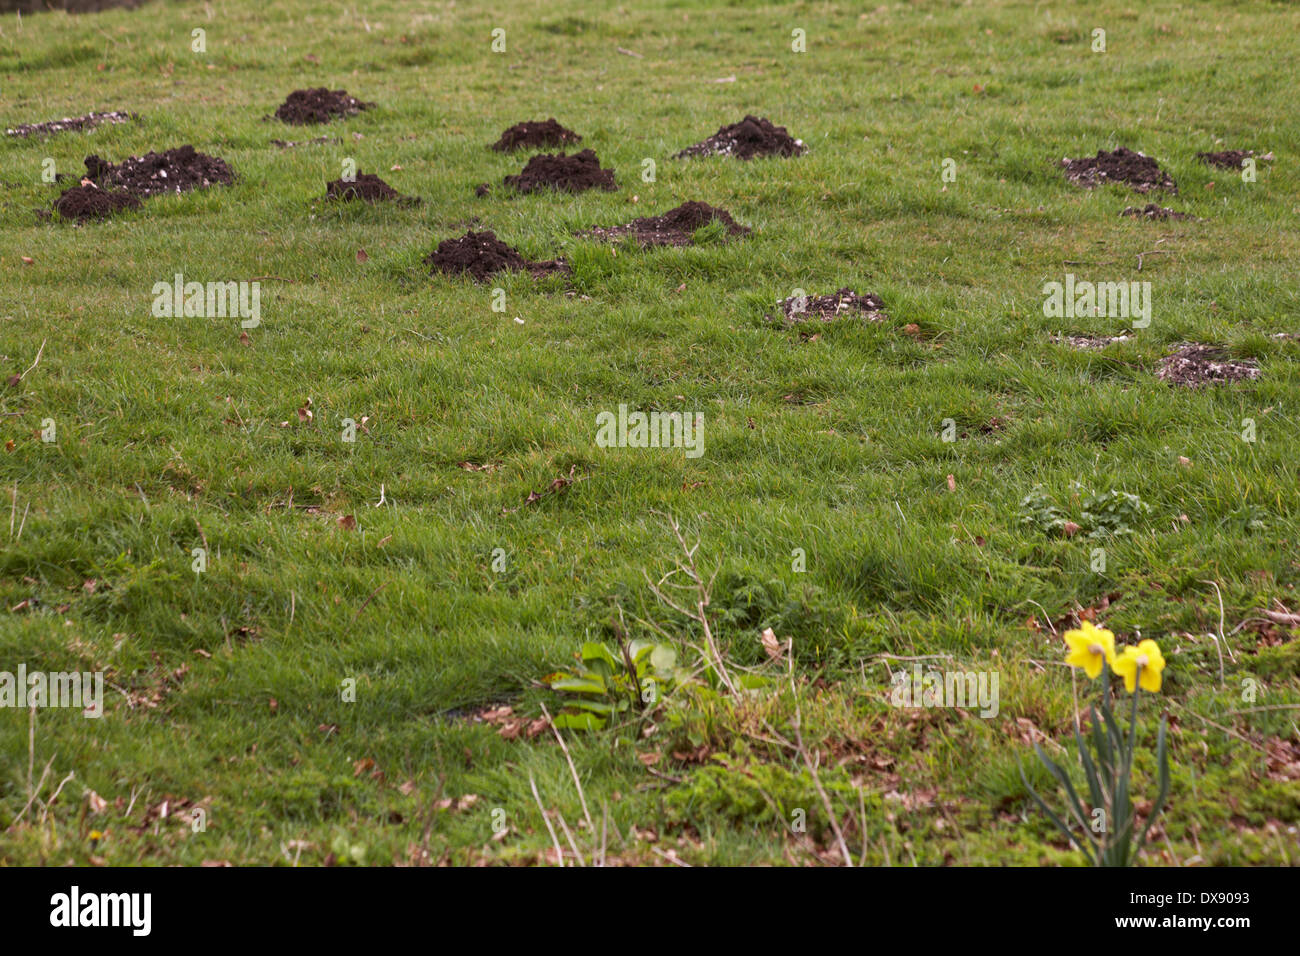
771,645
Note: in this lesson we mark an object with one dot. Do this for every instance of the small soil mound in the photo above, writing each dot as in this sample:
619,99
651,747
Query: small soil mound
91,202
70,124
574,174
535,134
674,228
752,136
480,254
1227,159
829,308
367,187
1195,365
318,105
1153,211
173,171
1140,173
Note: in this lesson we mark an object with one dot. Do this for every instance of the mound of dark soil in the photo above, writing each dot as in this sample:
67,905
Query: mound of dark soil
1227,159
173,171
1141,173
673,228
574,174
367,187
752,136
1195,365
91,202
480,254
1153,211
534,134
829,308
318,105
70,124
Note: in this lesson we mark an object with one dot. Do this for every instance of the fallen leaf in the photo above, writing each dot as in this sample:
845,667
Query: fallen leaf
952,483
771,645
27,260
361,256
1070,529
347,522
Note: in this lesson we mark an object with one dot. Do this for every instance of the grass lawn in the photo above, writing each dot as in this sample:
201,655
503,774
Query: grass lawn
883,494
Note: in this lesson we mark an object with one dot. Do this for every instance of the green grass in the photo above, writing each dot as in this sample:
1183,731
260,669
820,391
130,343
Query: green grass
169,432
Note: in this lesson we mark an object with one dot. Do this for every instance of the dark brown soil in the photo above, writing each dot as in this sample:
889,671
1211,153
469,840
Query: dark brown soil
480,254
674,228
574,174
1153,211
1141,173
70,124
1195,365
535,134
367,187
318,105
752,136
91,202
829,308
1227,159
173,171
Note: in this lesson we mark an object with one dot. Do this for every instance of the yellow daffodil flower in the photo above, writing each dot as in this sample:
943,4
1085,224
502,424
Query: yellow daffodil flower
1090,648
1140,665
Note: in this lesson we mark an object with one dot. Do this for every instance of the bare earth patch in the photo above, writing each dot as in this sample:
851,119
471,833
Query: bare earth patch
674,228
844,304
1153,211
71,124
1089,343
1194,365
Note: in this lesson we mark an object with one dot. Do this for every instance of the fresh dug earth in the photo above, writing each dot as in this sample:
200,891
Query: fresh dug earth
173,171
829,308
753,136
91,202
1227,159
1195,365
574,174
70,124
1153,211
480,254
318,105
535,133
1140,173
674,228
367,187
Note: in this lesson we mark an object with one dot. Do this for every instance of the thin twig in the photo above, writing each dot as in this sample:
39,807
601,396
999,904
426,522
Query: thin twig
591,827
559,853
